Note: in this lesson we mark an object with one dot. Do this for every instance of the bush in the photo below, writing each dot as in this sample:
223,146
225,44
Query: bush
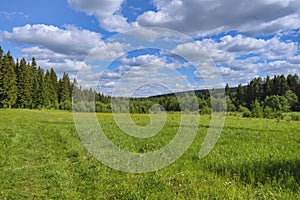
271,114
245,111
256,110
295,117
66,105
268,112
205,110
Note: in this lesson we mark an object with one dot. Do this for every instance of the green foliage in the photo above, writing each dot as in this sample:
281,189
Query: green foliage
230,106
295,117
65,105
291,97
64,89
25,84
277,103
245,111
8,88
256,110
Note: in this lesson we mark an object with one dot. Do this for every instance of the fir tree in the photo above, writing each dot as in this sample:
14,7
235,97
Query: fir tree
24,84
8,95
39,95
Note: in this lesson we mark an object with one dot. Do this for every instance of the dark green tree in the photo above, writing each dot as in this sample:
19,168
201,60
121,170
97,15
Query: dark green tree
282,85
64,94
8,91
38,97
54,94
227,90
48,90
267,87
240,92
25,78
294,84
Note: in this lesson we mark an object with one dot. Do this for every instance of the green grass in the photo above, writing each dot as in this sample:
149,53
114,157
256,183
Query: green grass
42,157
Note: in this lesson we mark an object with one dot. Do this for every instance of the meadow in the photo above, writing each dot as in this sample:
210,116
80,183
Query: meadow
42,157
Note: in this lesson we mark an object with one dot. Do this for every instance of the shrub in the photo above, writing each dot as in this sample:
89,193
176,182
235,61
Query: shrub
256,110
205,110
295,117
245,111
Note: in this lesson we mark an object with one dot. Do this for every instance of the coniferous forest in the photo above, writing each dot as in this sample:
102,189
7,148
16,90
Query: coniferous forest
23,84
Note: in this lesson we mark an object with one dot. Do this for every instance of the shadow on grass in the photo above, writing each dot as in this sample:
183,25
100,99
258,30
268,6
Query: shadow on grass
285,174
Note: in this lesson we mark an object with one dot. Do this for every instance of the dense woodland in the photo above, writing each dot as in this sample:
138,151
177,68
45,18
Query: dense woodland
25,85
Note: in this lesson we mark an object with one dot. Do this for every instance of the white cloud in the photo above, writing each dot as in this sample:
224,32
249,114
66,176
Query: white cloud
13,15
104,8
240,58
46,54
62,66
211,17
108,51
63,48
142,74
295,60
106,11
143,59
110,84
67,40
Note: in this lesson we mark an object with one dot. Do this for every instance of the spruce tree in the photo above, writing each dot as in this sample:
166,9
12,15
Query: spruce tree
48,90
24,84
54,92
64,92
227,90
1,52
8,95
267,88
38,95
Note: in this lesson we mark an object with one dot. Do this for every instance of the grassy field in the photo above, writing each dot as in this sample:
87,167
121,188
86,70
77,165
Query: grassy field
42,157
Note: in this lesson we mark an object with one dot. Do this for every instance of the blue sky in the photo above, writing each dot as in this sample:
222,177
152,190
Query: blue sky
242,38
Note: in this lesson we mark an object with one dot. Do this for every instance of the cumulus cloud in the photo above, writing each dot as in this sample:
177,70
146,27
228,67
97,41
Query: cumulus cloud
143,59
106,11
143,73
211,17
63,48
108,51
240,58
240,45
66,65
67,40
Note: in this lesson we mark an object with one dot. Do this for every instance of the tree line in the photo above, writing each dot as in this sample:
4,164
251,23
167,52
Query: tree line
25,85
267,97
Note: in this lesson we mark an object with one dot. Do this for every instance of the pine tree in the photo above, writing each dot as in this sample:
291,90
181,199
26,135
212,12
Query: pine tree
65,92
54,92
2,64
282,85
39,95
8,95
240,95
24,84
48,90
267,88
227,90
1,53
293,82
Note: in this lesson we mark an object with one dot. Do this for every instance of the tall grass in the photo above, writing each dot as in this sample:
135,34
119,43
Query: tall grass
42,157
